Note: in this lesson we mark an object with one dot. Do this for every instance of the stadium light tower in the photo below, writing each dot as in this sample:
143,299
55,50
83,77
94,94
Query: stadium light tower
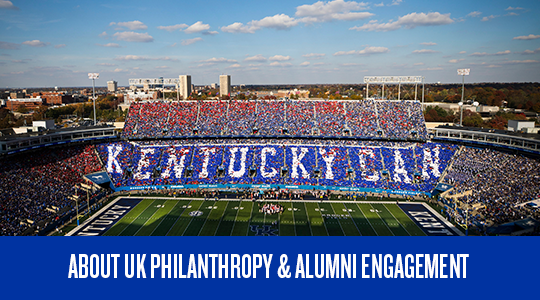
94,76
475,104
463,72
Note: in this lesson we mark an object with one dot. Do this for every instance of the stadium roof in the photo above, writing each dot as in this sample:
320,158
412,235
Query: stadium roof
532,136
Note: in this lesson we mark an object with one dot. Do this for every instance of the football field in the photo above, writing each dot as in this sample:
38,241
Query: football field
196,217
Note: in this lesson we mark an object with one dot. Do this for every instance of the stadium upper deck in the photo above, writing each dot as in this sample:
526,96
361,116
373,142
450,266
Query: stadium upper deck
371,119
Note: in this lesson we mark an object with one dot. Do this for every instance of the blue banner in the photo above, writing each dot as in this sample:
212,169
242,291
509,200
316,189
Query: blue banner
270,186
46,265
50,267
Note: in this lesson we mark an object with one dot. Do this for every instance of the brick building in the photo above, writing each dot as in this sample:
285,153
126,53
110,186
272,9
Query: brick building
30,103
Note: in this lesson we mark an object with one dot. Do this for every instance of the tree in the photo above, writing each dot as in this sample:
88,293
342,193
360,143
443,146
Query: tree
22,109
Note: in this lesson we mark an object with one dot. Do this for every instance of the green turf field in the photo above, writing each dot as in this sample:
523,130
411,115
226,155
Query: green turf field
163,217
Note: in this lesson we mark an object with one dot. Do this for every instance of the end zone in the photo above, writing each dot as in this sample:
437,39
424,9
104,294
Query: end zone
105,218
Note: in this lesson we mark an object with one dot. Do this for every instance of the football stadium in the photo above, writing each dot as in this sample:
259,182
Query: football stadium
278,167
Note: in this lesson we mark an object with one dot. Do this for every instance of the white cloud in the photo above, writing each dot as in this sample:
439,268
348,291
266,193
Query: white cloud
462,52
103,34
35,43
332,10
238,27
528,61
59,46
409,21
514,8
130,36
379,5
279,58
280,64
424,51
305,64
9,46
131,25
235,66
163,67
455,61
531,51
106,64
527,37
279,21
210,32
172,28
474,14
197,27
314,55
428,44
418,64
431,69
142,58
215,60
396,2
490,54
7,5
257,57
366,51
191,41
484,19
118,70
110,45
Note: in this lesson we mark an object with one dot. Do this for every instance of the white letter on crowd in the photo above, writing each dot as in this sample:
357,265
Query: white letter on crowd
111,160
297,162
173,163
239,173
273,171
206,152
143,163
362,156
399,168
328,159
431,161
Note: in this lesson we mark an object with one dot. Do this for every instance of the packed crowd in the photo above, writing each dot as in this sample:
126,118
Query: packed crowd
367,119
498,181
270,209
368,164
35,186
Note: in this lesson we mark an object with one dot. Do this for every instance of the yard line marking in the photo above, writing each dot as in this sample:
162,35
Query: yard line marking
212,209
360,210
166,217
294,222
352,219
236,216
150,218
324,223
166,234
250,216
192,218
384,222
134,218
397,220
308,222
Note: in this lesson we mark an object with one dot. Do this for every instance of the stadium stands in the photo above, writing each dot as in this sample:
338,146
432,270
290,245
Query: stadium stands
363,119
498,182
256,144
36,185
279,162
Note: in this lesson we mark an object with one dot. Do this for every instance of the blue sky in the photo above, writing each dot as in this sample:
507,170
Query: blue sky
56,43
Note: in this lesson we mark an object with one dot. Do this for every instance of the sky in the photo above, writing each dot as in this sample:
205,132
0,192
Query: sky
49,43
